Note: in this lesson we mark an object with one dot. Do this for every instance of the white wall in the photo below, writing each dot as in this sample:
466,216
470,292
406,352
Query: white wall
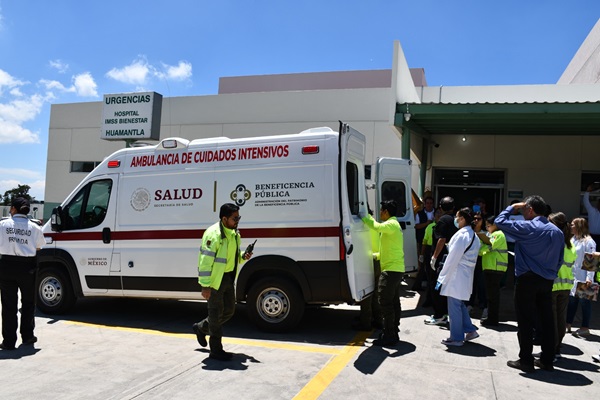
549,166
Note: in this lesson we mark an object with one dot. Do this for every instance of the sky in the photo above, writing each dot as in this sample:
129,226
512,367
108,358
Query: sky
71,51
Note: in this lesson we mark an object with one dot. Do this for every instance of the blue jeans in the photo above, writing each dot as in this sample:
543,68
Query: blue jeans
586,311
460,321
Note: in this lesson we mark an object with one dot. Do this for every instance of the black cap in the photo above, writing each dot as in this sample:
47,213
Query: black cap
21,204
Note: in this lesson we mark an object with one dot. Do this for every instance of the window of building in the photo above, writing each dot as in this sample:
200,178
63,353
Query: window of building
83,166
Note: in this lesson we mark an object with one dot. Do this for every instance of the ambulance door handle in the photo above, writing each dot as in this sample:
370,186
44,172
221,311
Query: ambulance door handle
130,264
106,235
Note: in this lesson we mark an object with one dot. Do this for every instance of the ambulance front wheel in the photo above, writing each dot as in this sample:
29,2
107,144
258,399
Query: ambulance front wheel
54,291
275,304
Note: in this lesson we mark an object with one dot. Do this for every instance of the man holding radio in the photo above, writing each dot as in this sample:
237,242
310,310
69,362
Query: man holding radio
217,267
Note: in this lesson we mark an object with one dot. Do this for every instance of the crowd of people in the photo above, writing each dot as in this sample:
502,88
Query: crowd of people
464,259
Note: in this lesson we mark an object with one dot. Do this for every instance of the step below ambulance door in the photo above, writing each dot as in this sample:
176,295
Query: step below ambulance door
353,205
393,177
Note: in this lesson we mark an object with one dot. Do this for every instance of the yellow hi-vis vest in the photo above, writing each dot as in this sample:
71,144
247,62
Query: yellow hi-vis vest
428,236
495,257
391,251
565,278
216,256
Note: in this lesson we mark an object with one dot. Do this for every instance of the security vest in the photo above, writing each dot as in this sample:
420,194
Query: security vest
216,256
495,257
391,250
565,278
428,237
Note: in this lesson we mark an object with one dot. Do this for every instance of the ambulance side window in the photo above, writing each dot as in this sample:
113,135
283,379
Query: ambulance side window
352,184
391,190
88,207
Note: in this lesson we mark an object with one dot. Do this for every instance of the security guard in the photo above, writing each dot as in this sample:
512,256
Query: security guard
561,289
391,256
217,266
19,241
494,262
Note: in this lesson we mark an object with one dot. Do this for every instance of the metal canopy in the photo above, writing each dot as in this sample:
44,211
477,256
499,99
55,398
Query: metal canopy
573,118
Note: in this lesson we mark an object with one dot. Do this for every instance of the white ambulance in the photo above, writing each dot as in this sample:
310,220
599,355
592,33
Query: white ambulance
133,226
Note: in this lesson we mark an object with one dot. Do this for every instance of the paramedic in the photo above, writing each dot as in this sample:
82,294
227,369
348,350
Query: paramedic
217,267
391,256
19,241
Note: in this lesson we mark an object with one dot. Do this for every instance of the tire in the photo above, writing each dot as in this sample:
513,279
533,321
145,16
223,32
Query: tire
54,291
275,304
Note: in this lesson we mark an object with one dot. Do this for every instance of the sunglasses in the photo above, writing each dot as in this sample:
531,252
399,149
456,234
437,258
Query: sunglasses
236,219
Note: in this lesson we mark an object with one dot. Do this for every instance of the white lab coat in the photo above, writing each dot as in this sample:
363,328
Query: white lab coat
457,274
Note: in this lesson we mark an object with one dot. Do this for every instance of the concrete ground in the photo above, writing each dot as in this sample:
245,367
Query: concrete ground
144,349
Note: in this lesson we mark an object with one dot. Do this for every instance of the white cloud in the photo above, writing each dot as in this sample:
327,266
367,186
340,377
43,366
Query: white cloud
11,132
34,179
16,92
51,85
9,82
16,112
139,72
179,72
85,85
135,73
58,65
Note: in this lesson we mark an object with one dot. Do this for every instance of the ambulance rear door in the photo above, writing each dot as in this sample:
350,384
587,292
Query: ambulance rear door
393,177
353,204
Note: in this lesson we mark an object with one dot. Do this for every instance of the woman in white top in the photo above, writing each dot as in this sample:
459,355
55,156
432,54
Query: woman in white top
456,278
583,243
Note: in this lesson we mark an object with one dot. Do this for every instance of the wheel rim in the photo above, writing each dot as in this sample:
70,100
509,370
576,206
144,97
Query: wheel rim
50,291
273,305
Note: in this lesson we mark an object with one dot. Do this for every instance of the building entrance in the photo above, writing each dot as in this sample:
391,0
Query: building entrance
468,185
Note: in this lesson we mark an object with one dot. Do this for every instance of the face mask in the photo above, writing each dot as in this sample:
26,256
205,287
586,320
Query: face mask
456,222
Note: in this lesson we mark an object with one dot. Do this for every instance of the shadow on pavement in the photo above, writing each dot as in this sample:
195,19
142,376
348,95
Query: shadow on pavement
369,360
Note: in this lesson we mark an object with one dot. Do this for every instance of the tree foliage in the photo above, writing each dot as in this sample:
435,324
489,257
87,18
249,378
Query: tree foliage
19,191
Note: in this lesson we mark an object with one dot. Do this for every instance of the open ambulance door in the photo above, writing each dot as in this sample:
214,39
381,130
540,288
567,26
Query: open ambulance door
353,204
393,183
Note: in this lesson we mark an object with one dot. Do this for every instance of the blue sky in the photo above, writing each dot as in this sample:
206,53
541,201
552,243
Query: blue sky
67,51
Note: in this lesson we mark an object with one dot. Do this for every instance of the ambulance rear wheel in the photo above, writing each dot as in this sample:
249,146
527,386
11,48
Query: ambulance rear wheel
54,291
275,304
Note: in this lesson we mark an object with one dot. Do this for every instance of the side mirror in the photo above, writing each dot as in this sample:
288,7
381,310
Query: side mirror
56,219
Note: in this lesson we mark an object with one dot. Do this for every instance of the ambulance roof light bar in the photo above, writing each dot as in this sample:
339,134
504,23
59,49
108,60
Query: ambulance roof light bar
173,143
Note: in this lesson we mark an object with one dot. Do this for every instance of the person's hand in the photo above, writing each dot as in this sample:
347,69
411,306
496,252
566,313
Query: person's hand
588,283
432,263
206,292
247,256
518,206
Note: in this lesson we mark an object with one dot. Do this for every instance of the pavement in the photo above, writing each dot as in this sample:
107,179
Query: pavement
145,349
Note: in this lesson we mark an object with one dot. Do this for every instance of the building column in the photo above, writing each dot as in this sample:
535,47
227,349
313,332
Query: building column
423,168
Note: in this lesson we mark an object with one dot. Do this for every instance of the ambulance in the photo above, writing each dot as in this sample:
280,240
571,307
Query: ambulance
133,226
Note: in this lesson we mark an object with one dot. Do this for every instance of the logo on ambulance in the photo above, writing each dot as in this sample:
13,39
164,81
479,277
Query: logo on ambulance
140,199
240,195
